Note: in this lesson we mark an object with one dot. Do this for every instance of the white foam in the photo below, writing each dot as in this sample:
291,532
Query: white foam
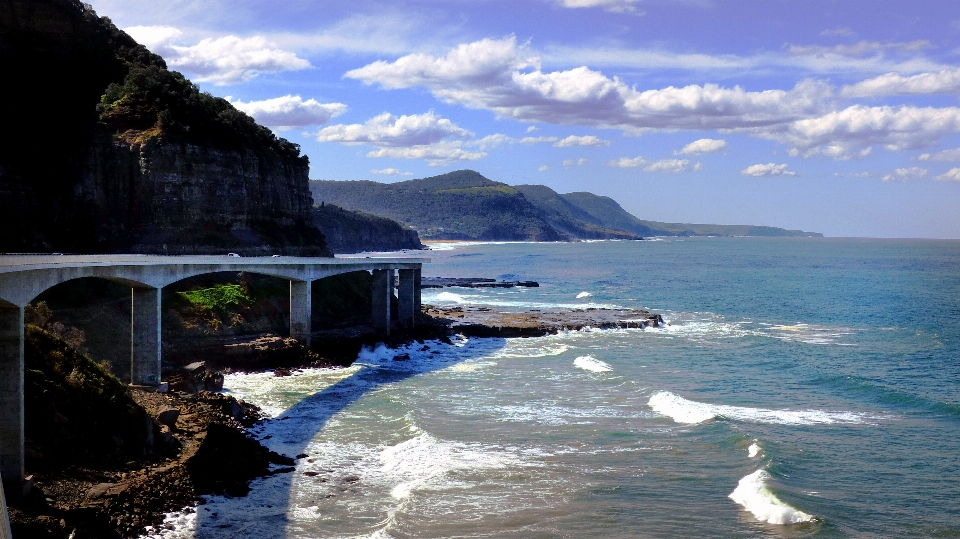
753,495
688,411
592,364
449,297
423,458
584,295
753,450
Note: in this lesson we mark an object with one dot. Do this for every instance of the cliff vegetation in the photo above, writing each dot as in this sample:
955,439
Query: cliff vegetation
116,153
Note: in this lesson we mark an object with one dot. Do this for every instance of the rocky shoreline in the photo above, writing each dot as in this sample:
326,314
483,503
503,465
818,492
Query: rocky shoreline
201,440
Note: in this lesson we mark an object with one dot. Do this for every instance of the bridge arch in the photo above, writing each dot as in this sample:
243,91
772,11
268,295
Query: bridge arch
24,277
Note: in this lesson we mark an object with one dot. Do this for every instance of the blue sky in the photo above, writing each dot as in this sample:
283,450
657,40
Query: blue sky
840,117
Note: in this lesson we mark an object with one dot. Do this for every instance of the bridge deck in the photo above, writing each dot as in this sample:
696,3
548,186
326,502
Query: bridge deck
24,277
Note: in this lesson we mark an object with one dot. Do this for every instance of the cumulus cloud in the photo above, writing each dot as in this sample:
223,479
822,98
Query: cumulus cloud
944,155
531,129
222,60
586,140
616,6
851,132
440,153
391,172
395,131
770,169
946,81
570,162
702,146
289,111
952,175
672,165
503,77
159,39
906,174
627,162
543,168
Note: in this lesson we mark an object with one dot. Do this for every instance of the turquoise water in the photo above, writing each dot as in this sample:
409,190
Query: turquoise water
804,388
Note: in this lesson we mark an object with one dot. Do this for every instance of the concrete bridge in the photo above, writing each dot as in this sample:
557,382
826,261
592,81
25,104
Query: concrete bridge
24,277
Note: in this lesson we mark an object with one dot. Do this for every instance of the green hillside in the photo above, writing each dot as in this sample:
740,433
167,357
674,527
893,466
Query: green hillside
465,205
607,212
458,205
571,219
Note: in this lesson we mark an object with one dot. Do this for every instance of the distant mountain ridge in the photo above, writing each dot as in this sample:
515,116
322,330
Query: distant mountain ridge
466,205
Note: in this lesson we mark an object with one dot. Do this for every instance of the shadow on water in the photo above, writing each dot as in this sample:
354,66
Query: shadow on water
263,513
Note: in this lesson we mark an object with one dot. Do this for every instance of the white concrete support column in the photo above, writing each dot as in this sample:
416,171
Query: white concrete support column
382,292
406,292
145,341
301,314
11,393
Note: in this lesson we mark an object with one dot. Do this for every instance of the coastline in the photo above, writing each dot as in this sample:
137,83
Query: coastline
209,447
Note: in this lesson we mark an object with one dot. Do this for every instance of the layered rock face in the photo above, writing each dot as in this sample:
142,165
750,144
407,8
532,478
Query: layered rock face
172,196
108,151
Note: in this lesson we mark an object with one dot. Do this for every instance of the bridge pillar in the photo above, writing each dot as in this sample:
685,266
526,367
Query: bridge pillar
382,293
301,318
11,393
406,297
417,292
145,341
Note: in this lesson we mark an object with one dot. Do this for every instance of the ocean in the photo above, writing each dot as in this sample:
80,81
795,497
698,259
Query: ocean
803,387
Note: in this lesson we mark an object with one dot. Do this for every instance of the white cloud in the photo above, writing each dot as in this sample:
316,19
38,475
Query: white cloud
500,76
616,6
391,172
159,39
531,129
851,132
859,49
568,162
702,146
906,174
581,161
627,162
440,153
863,174
838,32
952,175
946,81
222,60
395,131
770,169
944,155
586,140
289,111
492,141
537,140
543,168
672,165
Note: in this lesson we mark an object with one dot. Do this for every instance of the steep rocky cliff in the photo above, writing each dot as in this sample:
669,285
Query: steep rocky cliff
354,232
108,151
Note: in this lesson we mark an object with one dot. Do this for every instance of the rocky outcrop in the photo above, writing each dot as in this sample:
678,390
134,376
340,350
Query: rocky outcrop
108,151
355,232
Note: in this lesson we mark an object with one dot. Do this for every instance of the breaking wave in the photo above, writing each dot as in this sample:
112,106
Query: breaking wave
753,495
682,410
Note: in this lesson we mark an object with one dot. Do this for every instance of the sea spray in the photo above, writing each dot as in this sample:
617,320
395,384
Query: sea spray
592,364
682,410
753,495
